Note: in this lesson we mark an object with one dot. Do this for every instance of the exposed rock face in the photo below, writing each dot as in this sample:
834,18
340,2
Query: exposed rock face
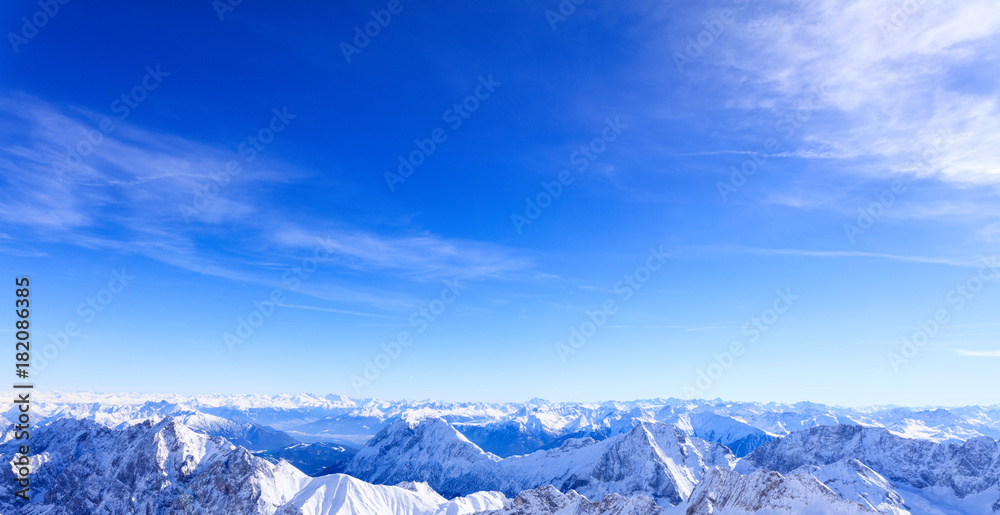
725,491
80,467
547,500
967,468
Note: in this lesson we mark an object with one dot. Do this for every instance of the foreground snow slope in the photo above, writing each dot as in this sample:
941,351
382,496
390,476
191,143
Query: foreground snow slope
339,493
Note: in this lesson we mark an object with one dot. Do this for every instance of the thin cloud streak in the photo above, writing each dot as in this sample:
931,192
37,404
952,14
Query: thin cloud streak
979,353
339,311
805,154
968,263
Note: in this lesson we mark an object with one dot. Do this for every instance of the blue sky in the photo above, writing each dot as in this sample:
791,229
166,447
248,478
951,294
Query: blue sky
215,163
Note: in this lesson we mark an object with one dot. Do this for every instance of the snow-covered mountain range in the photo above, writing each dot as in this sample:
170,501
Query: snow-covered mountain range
506,429
291,454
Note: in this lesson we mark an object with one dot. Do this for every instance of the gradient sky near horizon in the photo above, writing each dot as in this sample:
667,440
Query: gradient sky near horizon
830,103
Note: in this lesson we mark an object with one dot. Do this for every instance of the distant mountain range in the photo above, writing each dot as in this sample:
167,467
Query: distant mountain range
305,454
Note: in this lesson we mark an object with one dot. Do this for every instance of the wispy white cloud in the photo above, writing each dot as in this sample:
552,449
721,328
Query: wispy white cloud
894,80
422,255
125,196
133,178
